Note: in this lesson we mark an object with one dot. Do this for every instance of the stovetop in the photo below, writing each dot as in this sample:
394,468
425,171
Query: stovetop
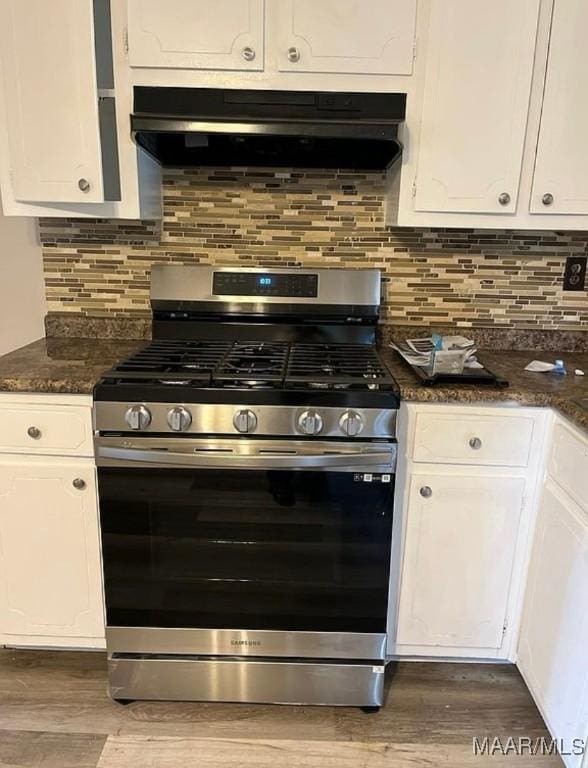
270,365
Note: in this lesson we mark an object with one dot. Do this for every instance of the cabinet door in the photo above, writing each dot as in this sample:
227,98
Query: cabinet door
50,572
554,632
196,34
475,103
50,99
361,36
560,183
461,534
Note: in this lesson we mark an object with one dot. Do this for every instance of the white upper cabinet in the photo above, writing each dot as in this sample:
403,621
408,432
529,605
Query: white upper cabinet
479,65
353,36
51,101
560,183
196,34
458,559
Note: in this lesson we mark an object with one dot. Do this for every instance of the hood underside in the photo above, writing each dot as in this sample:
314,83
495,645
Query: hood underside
200,127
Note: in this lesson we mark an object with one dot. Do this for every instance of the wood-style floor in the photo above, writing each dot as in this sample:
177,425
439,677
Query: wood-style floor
55,713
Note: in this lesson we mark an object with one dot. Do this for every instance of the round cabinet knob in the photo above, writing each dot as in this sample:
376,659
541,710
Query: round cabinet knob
138,417
475,443
245,421
426,492
310,423
248,53
504,198
179,419
34,432
547,199
351,423
84,185
79,484
293,54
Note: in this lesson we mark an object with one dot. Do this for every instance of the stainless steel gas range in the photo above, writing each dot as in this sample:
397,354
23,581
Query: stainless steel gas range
246,461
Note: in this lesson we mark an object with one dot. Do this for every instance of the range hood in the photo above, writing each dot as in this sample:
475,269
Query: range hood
212,126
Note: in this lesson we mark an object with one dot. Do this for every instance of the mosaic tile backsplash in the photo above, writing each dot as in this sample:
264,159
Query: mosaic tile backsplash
479,278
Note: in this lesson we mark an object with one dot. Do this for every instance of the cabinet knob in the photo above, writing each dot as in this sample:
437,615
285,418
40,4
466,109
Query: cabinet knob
426,492
504,198
293,54
84,185
79,484
475,443
248,53
547,199
34,432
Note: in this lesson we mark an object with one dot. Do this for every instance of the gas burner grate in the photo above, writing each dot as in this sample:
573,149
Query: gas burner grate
253,364
336,366
172,362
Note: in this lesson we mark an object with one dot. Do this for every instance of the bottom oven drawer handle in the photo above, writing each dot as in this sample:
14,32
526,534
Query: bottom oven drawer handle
292,461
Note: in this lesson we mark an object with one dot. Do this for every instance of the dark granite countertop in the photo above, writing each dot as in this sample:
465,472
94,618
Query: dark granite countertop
62,365
525,388
74,365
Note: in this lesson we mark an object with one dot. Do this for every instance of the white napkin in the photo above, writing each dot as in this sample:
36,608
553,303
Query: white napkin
539,366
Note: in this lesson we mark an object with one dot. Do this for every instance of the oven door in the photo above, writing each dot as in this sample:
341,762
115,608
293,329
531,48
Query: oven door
246,547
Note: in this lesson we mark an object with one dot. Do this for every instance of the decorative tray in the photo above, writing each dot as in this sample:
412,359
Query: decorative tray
469,376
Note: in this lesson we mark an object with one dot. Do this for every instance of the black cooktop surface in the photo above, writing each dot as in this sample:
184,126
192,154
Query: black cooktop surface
255,365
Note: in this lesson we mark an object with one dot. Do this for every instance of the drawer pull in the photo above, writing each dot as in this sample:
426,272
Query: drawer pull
426,492
34,432
475,443
79,484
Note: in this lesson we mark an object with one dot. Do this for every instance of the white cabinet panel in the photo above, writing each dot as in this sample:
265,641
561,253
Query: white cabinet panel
475,104
51,100
355,36
45,429
458,558
568,463
561,169
458,438
554,634
50,574
197,34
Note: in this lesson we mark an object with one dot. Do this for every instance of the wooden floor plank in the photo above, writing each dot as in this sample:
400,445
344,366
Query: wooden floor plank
131,751
64,691
447,703
29,749
431,710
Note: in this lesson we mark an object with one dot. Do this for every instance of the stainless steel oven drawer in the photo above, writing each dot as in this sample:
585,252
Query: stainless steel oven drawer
245,680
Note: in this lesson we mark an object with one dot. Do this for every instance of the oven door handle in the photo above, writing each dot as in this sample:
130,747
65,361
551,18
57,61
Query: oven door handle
114,456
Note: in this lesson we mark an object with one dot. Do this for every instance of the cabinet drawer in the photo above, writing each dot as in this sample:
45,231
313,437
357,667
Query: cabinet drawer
568,463
457,438
46,429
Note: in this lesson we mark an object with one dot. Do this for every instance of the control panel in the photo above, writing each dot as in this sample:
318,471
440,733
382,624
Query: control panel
281,284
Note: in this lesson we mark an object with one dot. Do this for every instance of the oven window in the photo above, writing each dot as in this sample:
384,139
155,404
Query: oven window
236,549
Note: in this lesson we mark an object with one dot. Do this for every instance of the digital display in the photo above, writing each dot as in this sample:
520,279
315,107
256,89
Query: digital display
267,285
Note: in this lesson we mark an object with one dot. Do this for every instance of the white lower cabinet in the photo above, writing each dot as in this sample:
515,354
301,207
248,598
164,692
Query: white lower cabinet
461,536
50,565
50,577
553,645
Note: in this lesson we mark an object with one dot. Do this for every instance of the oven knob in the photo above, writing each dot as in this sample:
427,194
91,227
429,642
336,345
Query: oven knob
310,422
138,417
351,423
245,421
179,419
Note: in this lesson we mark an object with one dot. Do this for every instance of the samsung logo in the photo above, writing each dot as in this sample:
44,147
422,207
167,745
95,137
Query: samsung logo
245,642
